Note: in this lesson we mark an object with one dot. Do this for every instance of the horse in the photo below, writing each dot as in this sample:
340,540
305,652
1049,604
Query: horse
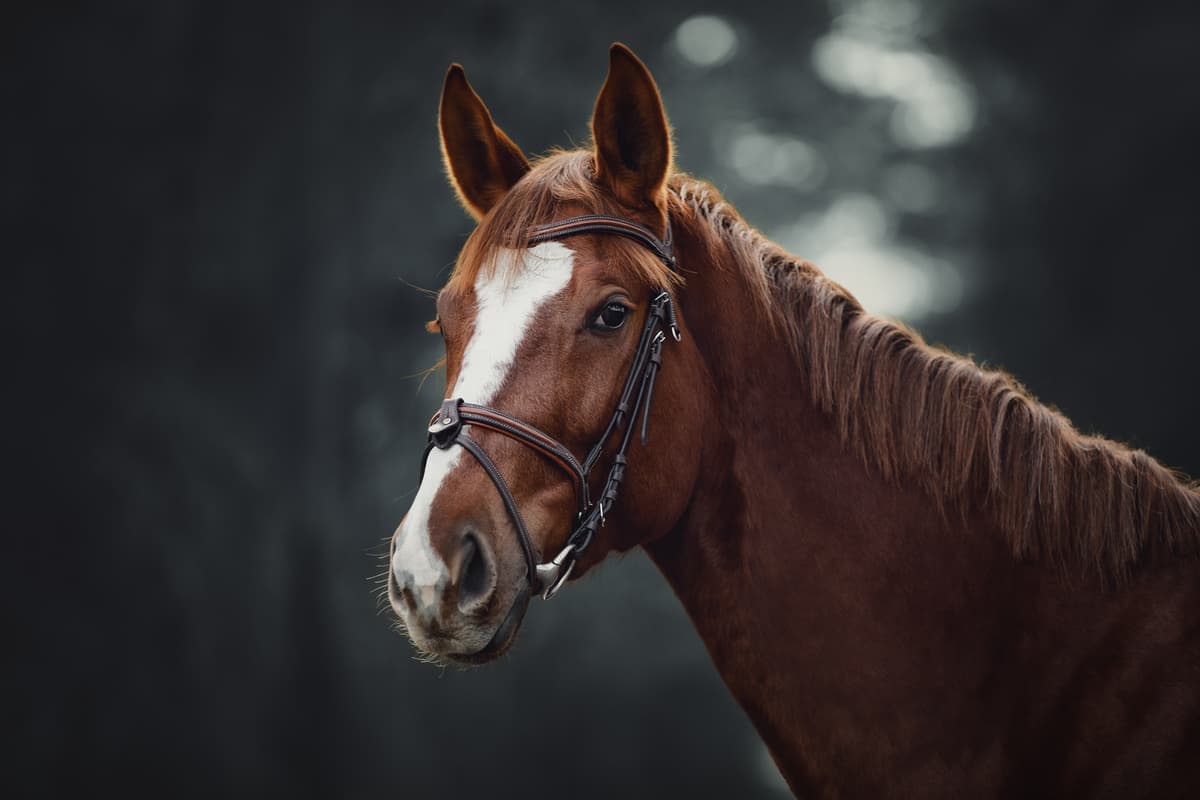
914,578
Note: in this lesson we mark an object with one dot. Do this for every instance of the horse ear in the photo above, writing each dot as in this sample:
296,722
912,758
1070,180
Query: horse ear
629,127
482,162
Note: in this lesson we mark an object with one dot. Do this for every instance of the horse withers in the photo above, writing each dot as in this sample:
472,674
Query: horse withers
914,578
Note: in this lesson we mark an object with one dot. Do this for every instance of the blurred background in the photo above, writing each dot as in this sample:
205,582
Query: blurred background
215,217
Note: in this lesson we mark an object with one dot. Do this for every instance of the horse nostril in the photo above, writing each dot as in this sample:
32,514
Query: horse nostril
474,573
400,588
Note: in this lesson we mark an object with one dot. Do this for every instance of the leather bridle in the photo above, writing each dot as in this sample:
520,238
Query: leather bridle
449,426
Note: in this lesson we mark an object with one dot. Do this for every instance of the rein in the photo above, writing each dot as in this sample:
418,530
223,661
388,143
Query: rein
449,426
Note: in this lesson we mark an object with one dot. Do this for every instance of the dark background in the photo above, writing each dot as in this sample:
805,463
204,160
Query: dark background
213,215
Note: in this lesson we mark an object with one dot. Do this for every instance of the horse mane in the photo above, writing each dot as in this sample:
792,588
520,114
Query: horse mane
974,440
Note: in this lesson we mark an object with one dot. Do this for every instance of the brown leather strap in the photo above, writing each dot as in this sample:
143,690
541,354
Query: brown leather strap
510,503
595,223
527,434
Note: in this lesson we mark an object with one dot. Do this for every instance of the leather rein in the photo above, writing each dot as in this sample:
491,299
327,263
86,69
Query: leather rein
449,426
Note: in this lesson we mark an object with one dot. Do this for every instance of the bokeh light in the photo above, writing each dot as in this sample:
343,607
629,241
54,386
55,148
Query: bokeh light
706,40
854,242
762,159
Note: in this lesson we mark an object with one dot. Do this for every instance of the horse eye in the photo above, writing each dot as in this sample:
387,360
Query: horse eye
611,317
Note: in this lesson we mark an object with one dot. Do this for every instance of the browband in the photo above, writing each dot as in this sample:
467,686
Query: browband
596,223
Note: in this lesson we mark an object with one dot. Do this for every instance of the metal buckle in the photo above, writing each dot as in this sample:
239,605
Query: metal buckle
663,301
553,574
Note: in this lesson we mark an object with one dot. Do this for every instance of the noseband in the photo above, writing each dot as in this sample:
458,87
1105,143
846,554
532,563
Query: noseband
449,426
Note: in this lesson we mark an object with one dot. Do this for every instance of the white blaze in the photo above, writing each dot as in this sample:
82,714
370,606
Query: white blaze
506,301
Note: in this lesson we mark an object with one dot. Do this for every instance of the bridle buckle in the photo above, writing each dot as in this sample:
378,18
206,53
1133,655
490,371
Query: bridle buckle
554,573
444,427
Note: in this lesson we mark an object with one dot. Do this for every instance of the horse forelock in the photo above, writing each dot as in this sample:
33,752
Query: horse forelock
558,181
974,439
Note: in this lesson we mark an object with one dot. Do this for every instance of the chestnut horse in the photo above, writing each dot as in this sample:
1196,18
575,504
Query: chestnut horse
914,578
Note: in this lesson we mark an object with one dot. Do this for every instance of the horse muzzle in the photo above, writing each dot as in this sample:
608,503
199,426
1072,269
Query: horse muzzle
464,613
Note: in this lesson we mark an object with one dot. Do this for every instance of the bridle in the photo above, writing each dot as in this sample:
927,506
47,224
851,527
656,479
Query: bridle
449,426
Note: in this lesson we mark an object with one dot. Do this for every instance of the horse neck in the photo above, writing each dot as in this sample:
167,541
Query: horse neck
775,475
792,553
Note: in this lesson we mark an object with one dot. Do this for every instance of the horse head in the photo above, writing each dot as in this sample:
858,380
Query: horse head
567,365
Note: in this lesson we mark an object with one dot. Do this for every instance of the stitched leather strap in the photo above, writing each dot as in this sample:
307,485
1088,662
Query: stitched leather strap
510,503
528,435
595,223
